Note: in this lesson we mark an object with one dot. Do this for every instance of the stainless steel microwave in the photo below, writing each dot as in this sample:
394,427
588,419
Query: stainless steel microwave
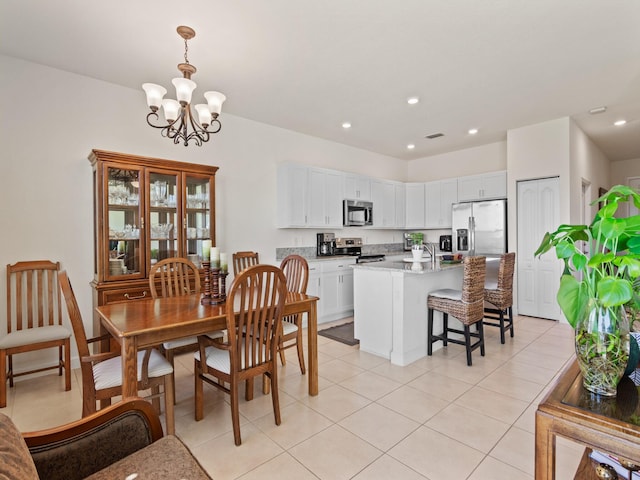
357,213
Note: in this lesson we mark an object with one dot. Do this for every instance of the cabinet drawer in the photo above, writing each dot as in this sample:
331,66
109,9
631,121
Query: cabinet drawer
126,295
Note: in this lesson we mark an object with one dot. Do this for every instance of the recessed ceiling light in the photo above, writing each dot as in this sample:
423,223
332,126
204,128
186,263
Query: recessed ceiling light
346,125
411,146
473,131
412,100
619,123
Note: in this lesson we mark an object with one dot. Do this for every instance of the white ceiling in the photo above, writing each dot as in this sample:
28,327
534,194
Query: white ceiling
310,66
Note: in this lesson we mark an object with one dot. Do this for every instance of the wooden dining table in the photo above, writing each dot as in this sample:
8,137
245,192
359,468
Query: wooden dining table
144,323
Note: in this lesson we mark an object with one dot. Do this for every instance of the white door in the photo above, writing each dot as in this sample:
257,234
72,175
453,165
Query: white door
538,278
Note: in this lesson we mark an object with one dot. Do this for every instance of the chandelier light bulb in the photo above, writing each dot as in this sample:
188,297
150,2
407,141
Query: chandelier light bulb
215,101
154,94
170,107
180,123
204,115
184,89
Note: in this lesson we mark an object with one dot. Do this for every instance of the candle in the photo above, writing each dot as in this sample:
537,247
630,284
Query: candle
215,257
206,250
224,262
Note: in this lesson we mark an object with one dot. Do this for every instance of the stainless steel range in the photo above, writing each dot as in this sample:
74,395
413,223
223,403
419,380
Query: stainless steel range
353,246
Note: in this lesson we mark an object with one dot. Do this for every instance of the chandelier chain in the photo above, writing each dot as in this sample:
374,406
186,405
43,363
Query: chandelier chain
186,48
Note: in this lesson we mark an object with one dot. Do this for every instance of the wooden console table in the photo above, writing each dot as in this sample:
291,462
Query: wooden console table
611,425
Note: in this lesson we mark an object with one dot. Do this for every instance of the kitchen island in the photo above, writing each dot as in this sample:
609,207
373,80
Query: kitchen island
390,306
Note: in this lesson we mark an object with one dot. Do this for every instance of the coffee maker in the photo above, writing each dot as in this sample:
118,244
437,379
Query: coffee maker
326,244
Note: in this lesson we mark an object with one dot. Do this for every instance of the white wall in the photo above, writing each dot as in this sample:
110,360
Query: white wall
470,161
52,119
623,170
588,165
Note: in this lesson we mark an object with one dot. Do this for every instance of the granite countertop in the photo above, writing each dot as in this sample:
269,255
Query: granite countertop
407,267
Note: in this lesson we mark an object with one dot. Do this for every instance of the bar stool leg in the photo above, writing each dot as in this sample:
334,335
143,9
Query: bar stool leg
430,331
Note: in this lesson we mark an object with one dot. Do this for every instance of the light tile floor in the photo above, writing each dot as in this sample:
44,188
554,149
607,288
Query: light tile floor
435,419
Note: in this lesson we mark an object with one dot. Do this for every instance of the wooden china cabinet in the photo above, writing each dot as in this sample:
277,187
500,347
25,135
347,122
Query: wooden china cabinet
145,210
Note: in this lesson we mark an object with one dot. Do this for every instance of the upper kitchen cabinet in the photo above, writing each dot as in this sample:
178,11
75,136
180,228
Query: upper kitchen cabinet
309,197
386,195
357,187
326,191
439,196
483,187
415,205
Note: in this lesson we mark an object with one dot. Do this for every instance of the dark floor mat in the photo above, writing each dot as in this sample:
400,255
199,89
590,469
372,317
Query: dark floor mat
341,333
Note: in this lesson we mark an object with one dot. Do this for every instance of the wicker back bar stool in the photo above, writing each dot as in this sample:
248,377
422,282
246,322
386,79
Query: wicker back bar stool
467,305
498,296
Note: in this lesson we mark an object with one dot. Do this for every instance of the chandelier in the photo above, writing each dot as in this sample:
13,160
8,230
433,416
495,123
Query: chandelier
180,124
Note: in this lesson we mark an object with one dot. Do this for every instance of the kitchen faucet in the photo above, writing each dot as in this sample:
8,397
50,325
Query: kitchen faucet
431,250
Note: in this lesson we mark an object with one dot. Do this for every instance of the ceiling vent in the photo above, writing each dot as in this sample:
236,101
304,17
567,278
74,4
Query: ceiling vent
434,135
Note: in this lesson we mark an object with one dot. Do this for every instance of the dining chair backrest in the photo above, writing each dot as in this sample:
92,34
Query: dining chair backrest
75,317
33,296
174,277
257,296
244,260
296,271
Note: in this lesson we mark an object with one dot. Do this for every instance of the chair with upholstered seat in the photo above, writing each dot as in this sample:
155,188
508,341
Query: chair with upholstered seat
174,277
34,320
102,372
467,305
244,260
296,271
498,295
254,306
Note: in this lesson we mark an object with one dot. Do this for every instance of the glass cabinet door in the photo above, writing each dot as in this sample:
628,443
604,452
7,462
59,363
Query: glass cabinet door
124,222
197,215
164,223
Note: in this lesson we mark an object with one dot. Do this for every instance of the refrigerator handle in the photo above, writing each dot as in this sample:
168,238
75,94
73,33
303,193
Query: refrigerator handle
472,236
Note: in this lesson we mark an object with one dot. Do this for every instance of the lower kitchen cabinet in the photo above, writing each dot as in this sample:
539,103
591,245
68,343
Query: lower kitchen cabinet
332,281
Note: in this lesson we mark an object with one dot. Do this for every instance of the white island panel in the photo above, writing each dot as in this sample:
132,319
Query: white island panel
390,308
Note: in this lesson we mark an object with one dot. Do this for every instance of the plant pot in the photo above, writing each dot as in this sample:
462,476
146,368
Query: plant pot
602,348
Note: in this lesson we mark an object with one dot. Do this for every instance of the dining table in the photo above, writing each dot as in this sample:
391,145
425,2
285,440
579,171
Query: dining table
145,323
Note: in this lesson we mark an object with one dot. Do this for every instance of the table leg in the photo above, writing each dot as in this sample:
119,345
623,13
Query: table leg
129,368
312,341
545,461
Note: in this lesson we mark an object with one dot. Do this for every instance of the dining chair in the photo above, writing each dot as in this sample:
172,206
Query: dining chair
296,271
174,277
102,372
243,260
254,306
34,320
467,305
498,295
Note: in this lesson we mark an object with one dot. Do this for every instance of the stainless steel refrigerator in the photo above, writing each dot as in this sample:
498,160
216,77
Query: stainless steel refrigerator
480,228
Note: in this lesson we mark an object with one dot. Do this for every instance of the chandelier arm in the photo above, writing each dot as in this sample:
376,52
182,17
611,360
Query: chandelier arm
216,130
198,131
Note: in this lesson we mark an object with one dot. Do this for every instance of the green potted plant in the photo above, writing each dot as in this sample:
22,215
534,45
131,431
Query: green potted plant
596,286
417,238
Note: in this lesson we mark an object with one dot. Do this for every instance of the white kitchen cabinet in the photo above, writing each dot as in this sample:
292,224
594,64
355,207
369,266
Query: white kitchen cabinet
439,196
482,187
385,194
357,187
335,289
415,205
309,197
401,199
293,196
325,198
313,286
